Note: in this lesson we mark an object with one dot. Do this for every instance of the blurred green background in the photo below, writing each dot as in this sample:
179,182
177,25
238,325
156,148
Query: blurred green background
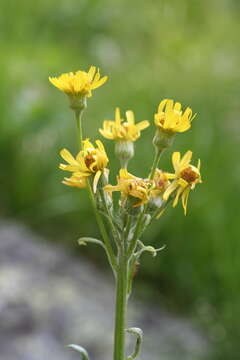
185,50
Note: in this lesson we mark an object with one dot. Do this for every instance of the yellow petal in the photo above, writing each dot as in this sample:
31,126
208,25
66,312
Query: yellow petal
170,175
199,164
67,156
162,104
175,202
183,183
111,188
169,105
188,113
72,168
117,116
142,125
170,189
96,84
123,173
100,146
95,181
176,160
186,159
87,144
185,200
130,117
177,106
91,72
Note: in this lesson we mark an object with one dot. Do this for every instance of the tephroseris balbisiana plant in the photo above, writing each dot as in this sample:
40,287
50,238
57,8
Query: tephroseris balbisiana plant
141,201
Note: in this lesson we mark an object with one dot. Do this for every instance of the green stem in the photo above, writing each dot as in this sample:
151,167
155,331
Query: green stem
78,117
133,242
121,306
158,154
128,227
110,220
106,240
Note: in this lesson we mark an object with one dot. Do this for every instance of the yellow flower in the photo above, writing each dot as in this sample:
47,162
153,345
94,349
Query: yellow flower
171,119
186,176
76,180
160,183
121,130
89,161
79,85
130,185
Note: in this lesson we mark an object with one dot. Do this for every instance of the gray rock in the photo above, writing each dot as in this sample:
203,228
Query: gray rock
49,299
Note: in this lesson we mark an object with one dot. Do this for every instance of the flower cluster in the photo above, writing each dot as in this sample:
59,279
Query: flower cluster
91,162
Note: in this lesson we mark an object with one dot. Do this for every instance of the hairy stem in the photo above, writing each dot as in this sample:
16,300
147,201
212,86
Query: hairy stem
106,240
121,305
78,117
137,231
110,220
158,154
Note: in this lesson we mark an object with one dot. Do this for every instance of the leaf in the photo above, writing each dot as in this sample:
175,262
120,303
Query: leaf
85,240
81,350
139,336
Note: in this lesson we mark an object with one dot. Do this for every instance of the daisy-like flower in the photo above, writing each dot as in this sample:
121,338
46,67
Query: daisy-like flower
186,176
130,186
121,130
171,119
79,85
124,132
89,161
76,180
160,183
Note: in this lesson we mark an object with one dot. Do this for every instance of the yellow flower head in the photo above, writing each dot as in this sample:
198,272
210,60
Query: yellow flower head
160,183
89,161
130,185
79,83
186,176
171,119
76,180
121,130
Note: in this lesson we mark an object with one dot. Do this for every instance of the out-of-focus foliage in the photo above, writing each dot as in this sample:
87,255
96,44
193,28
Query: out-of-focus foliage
187,50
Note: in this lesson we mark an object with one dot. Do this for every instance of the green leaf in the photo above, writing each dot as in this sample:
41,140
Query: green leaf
139,336
81,350
85,240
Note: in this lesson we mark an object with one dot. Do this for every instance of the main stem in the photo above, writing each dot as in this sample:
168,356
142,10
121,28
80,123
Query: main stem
121,305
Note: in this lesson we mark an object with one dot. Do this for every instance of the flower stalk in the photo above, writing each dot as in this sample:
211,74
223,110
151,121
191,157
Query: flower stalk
78,117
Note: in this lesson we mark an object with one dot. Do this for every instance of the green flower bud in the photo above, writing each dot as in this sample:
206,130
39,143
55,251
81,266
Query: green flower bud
124,151
162,139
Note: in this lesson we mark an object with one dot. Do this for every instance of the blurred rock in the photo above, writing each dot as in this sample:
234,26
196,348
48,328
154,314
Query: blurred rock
50,299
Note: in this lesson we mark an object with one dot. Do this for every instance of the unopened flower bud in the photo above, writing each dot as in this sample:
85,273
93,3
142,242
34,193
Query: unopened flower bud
77,102
162,139
129,205
154,204
124,151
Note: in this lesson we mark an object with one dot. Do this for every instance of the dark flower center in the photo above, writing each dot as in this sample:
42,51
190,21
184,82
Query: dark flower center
189,175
